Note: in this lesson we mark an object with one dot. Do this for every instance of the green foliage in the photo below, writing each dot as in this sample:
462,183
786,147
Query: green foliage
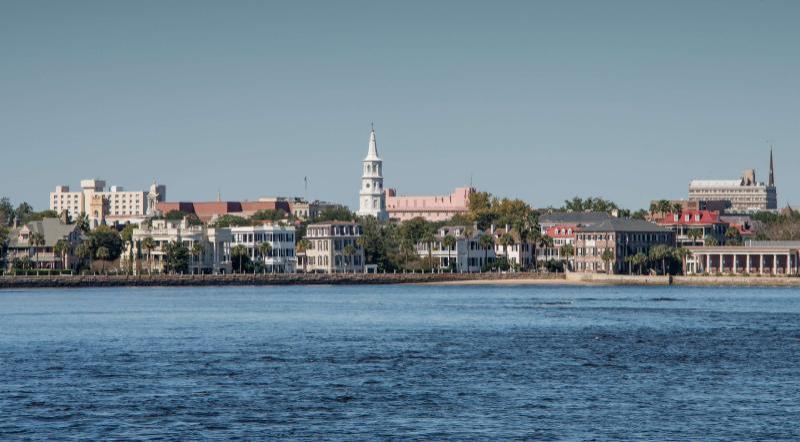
269,215
231,221
175,215
240,258
104,236
590,204
22,212
177,258
338,213
6,212
733,237
779,227
38,216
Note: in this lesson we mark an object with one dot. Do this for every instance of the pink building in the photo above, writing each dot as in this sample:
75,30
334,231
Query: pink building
432,208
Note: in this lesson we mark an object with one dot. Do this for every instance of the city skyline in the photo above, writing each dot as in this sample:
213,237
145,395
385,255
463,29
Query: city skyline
531,101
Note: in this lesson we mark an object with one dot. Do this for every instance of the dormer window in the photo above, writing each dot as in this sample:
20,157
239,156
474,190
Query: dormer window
675,217
687,217
697,217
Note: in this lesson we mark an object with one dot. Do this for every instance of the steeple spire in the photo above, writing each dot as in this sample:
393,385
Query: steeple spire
372,153
771,169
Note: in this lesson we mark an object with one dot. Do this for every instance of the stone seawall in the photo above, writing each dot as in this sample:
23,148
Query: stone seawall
737,281
67,281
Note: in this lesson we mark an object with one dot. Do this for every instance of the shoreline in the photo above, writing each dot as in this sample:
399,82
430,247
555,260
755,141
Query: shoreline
435,279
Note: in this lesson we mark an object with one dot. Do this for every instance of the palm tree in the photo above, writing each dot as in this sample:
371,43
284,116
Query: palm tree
348,253
302,246
630,260
36,240
567,251
682,253
640,259
62,247
102,254
264,249
607,256
486,242
694,235
677,207
449,242
661,252
429,238
239,251
84,251
148,244
197,251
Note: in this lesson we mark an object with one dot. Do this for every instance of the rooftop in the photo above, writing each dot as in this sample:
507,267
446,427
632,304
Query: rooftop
625,225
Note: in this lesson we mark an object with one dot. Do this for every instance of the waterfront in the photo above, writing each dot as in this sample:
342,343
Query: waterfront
432,362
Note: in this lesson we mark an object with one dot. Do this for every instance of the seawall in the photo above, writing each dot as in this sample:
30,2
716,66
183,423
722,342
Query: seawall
76,281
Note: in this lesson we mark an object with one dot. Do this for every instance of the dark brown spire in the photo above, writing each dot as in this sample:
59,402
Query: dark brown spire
771,169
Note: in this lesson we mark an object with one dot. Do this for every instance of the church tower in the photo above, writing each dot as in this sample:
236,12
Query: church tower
372,200
771,182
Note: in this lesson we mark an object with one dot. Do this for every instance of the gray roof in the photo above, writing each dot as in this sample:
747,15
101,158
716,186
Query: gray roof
52,229
574,218
625,225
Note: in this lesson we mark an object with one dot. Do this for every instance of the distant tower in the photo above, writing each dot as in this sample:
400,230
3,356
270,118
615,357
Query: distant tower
771,169
372,200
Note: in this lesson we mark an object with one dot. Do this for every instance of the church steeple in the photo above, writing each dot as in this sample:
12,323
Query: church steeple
372,200
771,169
372,152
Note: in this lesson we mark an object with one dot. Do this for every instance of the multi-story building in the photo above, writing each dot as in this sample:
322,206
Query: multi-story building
305,210
571,219
745,194
519,253
371,199
562,235
465,256
334,247
106,206
622,237
216,244
21,247
695,227
432,208
281,239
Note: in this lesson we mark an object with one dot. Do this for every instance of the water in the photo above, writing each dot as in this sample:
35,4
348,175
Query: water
418,362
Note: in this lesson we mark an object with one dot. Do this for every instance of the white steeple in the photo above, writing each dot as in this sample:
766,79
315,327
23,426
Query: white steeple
372,201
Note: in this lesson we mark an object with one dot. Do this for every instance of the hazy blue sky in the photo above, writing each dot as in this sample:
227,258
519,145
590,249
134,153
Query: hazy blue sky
538,100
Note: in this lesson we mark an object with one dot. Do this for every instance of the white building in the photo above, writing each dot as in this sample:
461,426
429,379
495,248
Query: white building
372,201
519,253
328,248
464,257
281,239
745,194
101,205
215,256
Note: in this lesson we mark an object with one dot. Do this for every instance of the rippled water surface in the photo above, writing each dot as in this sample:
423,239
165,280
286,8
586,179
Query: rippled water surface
401,361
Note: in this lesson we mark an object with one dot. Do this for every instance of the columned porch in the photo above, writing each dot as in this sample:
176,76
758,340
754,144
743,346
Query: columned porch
740,260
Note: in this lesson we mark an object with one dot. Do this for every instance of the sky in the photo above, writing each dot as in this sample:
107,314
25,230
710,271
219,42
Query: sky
539,100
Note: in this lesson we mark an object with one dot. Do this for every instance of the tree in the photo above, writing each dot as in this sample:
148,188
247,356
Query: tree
36,240
84,252
264,249
429,238
269,215
568,251
302,246
197,252
6,212
348,253
640,259
176,257
148,244
105,236
694,235
486,242
733,237
62,248
449,242
681,253
103,254
240,253
231,221
661,252
711,241
23,211
337,213
607,256
83,223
